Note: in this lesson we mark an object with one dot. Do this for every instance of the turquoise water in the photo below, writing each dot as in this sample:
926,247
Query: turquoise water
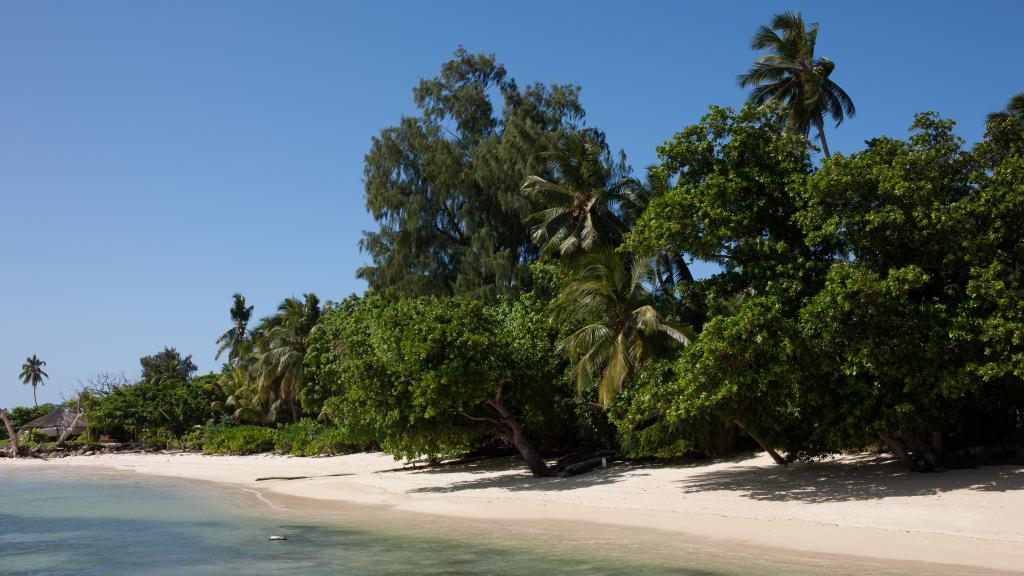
59,521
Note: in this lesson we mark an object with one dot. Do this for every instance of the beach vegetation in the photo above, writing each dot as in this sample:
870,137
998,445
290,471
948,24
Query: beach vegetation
526,293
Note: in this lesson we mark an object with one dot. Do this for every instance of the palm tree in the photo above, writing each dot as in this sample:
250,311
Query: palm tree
279,348
32,373
792,75
1014,110
582,206
234,340
612,298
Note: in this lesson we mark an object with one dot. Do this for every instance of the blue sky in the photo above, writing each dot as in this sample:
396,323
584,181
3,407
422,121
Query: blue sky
156,157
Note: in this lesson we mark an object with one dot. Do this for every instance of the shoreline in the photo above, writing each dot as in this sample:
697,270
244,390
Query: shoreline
854,506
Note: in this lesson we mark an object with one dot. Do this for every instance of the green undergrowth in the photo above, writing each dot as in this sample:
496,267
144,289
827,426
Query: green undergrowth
305,438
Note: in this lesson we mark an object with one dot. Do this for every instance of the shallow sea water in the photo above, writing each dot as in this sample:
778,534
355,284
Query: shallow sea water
63,521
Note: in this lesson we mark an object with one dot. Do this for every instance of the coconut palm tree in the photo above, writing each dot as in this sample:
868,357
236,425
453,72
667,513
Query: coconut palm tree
1015,110
791,74
279,348
611,297
582,206
234,340
32,373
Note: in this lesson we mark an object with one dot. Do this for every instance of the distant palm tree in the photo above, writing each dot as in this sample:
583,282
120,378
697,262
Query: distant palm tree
612,298
32,373
234,340
581,208
792,75
279,348
1014,110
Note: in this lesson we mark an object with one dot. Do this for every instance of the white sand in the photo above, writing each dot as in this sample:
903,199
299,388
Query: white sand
854,505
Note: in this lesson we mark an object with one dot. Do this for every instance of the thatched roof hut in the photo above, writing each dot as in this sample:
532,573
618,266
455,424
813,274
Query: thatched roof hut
54,423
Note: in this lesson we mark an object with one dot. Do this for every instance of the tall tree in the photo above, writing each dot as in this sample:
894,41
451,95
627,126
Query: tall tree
581,207
279,348
444,186
167,365
32,374
791,74
622,328
237,337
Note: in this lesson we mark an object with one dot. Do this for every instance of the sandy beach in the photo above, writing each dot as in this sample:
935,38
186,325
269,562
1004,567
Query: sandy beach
853,505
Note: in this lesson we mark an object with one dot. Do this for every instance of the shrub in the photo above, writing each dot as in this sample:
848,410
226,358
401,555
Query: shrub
238,440
156,439
83,441
308,438
190,441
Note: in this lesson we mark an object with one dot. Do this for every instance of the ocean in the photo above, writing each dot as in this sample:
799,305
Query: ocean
81,522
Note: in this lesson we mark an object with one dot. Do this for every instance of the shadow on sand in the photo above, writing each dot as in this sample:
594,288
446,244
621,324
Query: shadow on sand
849,479
517,478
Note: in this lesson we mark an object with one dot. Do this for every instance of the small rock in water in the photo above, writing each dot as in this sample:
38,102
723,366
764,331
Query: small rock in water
278,538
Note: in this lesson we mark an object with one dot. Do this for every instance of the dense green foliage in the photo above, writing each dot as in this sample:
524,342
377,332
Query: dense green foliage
444,186
422,376
242,439
304,438
875,298
134,410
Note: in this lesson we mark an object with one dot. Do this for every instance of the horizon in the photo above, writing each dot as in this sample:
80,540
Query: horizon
155,160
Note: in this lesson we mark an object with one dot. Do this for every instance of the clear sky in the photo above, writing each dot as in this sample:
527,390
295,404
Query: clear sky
156,157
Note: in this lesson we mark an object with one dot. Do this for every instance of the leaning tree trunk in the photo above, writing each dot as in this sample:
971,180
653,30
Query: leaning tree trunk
760,442
821,136
67,432
12,434
507,422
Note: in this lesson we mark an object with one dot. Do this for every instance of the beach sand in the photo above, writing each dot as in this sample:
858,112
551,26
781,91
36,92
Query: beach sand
853,505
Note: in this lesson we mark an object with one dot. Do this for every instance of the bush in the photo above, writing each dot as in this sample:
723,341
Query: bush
191,441
83,441
156,439
238,440
308,438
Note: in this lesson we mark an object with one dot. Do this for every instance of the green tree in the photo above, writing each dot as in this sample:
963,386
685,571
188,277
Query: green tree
913,325
166,365
791,74
279,348
734,200
32,374
440,376
165,405
582,205
621,326
236,339
444,186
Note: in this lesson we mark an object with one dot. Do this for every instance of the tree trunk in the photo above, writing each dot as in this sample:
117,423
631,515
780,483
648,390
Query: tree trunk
12,434
533,459
34,401
821,137
64,435
900,450
760,442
